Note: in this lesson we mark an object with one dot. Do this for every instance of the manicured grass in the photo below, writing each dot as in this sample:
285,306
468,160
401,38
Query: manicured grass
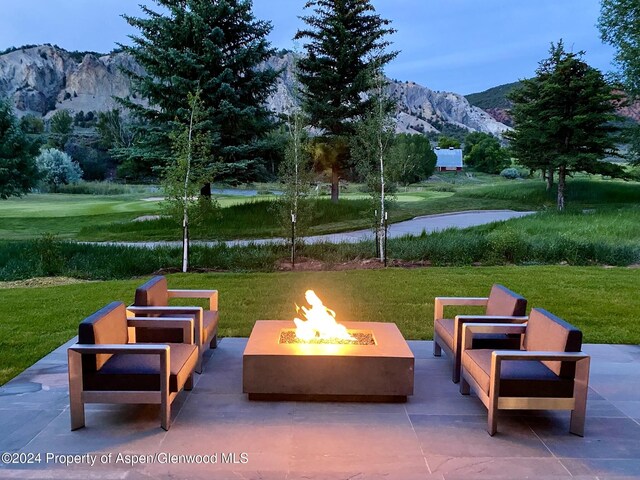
602,302
67,214
257,219
252,219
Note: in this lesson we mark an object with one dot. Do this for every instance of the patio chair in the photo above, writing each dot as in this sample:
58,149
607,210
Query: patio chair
549,374
105,368
502,306
152,299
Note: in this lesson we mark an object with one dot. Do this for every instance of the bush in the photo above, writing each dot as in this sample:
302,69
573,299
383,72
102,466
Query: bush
411,159
49,251
510,173
57,168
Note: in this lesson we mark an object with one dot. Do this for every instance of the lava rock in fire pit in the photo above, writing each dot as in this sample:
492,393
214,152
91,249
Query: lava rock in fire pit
289,336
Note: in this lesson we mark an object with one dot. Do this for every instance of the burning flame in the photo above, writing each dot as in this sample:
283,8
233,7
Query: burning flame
320,321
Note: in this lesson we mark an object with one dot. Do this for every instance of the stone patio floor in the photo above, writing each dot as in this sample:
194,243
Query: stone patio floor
437,434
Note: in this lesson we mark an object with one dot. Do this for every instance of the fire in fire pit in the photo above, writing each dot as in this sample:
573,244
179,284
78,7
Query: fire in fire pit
320,323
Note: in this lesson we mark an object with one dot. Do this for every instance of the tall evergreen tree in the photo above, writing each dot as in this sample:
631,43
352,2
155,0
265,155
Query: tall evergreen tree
345,43
619,24
18,171
216,47
564,119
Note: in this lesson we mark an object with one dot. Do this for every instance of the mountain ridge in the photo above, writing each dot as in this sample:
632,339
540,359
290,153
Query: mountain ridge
494,101
43,79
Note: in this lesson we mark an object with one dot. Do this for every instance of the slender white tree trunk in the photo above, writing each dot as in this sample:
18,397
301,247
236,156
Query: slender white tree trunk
185,200
383,230
382,237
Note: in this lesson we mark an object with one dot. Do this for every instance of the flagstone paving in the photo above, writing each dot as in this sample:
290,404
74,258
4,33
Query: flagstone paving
437,434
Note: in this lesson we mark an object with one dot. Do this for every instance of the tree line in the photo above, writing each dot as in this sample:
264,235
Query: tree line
564,121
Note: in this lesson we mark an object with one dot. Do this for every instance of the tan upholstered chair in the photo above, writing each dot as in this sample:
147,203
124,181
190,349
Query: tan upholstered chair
105,368
152,299
502,306
549,374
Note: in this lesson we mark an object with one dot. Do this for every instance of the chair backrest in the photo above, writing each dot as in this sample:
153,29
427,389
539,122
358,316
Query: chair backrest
548,333
106,326
503,301
153,293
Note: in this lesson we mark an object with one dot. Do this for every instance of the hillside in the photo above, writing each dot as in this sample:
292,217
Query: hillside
494,102
43,79
495,97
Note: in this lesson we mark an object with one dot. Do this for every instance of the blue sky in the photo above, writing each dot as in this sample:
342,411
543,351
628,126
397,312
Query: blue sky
462,46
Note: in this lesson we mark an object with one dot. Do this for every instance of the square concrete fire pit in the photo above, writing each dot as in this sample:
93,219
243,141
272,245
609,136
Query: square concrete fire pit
382,372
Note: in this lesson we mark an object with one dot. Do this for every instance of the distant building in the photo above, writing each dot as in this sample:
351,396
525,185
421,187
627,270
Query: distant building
449,160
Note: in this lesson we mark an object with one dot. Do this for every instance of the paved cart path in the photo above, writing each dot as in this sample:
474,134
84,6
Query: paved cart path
415,226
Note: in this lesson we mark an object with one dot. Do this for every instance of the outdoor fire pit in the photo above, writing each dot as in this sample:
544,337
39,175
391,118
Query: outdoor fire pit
322,360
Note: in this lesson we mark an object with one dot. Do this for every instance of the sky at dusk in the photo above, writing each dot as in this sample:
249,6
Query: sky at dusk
462,46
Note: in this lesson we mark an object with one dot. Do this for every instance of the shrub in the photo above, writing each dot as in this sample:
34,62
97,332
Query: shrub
57,168
102,188
510,173
49,251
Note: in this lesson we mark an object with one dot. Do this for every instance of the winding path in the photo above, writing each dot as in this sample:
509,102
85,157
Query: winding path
415,226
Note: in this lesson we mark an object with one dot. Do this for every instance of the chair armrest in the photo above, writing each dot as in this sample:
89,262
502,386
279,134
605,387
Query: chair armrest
212,295
539,355
133,348
165,310
441,302
460,320
468,329
186,324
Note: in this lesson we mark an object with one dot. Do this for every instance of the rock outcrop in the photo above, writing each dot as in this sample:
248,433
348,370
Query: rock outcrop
43,79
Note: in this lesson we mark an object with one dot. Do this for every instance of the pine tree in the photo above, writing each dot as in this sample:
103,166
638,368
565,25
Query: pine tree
18,173
619,24
345,39
213,46
564,119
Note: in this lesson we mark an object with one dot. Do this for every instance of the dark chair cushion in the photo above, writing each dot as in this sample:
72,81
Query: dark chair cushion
546,332
153,293
503,301
124,372
160,335
496,341
518,378
106,326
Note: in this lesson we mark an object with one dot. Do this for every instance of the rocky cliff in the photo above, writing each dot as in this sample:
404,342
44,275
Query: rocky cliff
42,79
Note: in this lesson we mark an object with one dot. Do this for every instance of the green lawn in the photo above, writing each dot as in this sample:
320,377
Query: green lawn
66,215
603,302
